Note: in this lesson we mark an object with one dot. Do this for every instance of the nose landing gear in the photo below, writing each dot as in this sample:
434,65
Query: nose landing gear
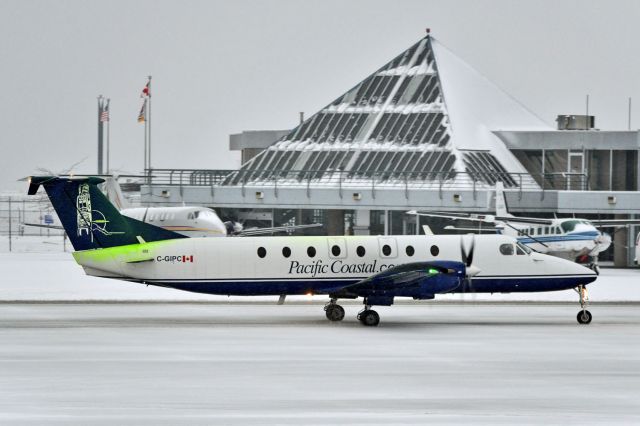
584,316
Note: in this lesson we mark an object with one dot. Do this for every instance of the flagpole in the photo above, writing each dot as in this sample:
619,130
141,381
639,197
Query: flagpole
100,148
149,123
108,133
144,169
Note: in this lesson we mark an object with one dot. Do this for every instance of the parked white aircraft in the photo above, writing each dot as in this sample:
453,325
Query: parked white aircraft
574,239
190,221
378,269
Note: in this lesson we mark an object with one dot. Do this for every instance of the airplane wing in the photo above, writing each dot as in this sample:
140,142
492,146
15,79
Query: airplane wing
39,225
484,218
606,223
428,277
262,231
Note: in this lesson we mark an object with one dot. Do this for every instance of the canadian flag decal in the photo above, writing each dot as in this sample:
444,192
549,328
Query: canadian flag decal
187,259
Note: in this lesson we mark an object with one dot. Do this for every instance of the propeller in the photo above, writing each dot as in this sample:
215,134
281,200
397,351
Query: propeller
470,269
467,257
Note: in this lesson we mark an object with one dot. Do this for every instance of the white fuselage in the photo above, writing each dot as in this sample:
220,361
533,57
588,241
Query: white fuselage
189,221
566,238
298,265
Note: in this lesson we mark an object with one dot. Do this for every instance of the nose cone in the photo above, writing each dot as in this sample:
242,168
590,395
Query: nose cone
577,274
587,275
604,241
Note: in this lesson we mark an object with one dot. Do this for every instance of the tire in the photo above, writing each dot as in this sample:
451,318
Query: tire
370,318
584,317
335,313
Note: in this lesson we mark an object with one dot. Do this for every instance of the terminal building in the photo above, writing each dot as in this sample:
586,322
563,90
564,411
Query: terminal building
425,131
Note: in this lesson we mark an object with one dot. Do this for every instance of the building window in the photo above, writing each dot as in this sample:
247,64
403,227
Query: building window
410,251
286,251
311,251
386,250
360,251
335,250
435,251
262,252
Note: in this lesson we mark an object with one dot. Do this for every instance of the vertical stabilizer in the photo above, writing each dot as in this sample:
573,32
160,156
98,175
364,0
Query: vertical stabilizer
501,202
114,193
90,220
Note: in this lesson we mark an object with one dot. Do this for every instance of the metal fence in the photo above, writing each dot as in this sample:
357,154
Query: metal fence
18,217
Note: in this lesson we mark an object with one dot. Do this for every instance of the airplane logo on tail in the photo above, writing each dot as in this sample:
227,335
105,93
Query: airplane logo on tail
89,220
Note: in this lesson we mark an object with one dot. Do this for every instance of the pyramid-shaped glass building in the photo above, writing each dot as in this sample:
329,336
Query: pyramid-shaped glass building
424,118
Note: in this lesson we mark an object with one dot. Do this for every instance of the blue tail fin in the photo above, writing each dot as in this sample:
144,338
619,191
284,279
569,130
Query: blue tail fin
88,217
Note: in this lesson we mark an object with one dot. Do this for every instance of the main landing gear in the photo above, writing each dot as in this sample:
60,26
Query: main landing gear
584,316
334,311
367,316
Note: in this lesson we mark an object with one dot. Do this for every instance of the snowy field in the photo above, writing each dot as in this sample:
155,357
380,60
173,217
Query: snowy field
239,364
78,350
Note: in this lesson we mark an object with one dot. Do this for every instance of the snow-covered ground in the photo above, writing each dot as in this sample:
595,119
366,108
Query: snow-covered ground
247,364
55,276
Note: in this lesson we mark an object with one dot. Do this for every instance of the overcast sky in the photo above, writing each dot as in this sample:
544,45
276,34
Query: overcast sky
223,67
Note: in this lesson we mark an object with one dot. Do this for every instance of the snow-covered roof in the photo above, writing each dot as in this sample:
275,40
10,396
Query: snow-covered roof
425,115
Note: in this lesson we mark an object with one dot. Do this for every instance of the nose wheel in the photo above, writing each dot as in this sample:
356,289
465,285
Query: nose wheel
584,316
334,311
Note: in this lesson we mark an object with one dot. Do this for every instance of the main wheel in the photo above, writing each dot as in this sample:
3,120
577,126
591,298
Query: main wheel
584,317
335,313
369,318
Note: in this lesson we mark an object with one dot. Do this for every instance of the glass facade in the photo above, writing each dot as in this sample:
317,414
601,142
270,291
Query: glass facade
596,170
392,127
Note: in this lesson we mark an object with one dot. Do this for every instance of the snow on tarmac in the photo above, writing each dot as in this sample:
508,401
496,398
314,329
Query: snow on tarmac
234,363
239,364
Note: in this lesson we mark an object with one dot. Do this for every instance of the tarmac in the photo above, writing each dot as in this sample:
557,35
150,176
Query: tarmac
254,363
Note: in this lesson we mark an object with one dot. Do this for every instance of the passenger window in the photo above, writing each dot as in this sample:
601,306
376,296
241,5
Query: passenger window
410,251
311,251
262,252
435,251
360,251
335,250
286,251
506,249
386,250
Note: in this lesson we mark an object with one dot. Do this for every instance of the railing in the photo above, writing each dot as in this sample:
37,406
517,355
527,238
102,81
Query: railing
187,177
367,179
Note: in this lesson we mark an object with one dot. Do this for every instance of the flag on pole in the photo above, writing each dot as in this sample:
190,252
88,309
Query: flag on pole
146,91
143,110
104,115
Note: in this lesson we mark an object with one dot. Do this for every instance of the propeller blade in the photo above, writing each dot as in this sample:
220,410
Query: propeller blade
470,256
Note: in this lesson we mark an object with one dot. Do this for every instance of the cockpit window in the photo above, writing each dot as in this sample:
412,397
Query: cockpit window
506,249
570,225
519,251
524,248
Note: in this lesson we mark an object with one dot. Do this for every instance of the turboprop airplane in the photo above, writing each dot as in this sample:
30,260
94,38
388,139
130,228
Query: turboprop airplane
377,268
574,239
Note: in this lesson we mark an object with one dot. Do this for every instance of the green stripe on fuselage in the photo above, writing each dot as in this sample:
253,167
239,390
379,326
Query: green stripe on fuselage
128,253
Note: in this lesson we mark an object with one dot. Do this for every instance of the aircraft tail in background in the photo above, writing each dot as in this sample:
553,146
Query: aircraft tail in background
501,202
89,219
114,193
